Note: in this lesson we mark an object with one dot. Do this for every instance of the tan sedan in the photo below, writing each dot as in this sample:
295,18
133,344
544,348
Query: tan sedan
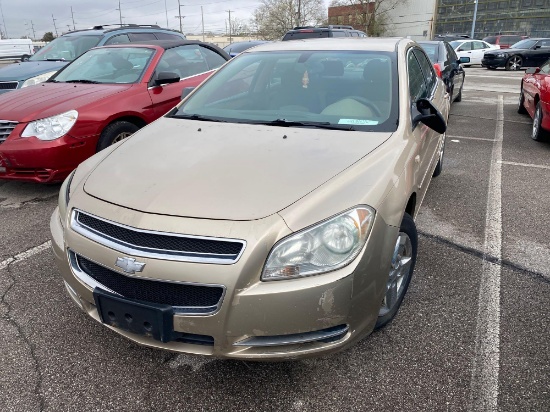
271,214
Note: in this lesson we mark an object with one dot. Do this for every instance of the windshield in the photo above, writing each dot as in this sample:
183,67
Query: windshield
107,65
524,44
66,48
431,50
351,90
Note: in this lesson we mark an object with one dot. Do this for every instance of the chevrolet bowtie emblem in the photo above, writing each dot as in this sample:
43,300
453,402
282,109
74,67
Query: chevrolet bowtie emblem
129,265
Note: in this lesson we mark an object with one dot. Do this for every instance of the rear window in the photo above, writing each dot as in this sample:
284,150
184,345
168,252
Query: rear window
432,50
509,39
306,34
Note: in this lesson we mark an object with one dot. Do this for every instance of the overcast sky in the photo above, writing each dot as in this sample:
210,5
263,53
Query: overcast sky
18,14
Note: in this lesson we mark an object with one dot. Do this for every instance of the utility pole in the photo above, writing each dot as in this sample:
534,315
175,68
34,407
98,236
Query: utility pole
33,32
120,12
166,9
474,21
229,11
298,15
3,20
55,27
72,14
179,16
202,18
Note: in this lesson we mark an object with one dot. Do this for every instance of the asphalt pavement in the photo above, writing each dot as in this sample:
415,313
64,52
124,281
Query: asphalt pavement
472,333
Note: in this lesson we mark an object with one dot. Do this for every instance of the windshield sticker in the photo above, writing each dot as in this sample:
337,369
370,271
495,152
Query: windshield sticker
361,122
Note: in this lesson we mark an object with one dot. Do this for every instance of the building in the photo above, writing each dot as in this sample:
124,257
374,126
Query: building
525,17
402,18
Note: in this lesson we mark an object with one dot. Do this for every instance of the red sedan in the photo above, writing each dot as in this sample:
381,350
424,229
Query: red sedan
534,99
102,97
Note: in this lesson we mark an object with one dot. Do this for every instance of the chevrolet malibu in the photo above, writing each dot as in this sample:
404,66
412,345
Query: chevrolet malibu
271,214
103,96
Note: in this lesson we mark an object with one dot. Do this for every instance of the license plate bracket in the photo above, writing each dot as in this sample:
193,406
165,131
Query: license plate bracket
143,318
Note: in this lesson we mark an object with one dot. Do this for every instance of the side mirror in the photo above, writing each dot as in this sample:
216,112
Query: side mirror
461,49
532,70
430,116
186,91
166,77
538,46
464,60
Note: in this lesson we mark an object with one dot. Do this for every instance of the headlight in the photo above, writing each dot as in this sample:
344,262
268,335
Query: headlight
322,248
41,78
501,55
51,128
64,197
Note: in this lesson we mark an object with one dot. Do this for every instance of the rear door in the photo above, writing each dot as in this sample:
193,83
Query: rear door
478,50
193,63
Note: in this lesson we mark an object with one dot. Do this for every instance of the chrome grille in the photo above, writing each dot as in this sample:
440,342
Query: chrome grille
159,245
8,85
6,127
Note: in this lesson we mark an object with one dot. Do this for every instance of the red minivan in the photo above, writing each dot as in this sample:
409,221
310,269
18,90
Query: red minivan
504,40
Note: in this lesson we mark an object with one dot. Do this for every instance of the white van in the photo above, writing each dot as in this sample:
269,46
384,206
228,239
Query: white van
16,49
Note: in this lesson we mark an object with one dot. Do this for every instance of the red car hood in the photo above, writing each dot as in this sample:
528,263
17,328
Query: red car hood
49,99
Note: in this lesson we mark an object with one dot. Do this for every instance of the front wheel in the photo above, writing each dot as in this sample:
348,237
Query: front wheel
439,168
514,63
538,132
459,96
401,270
114,133
25,58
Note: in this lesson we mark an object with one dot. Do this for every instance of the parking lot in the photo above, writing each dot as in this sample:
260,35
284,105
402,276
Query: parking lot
472,333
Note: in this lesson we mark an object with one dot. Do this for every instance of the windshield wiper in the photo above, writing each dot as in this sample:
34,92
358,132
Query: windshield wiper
320,125
55,60
82,81
198,117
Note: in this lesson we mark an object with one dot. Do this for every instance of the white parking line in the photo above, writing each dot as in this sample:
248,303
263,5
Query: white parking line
26,254
471,138
484,384
524,165
482,76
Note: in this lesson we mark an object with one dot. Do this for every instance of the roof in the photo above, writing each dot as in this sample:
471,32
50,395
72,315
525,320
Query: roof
108,28
169,44
387,44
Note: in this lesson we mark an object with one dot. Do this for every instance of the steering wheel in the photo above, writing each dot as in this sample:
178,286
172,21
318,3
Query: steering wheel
367,103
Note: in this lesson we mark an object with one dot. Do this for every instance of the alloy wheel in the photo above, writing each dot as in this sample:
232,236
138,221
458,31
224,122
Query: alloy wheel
121,136
514,63
400,271
536,123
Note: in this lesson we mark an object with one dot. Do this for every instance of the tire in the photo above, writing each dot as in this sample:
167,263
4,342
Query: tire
514,63
521,102
25,58
466,65
114,133
399,278
439,167
459,96
491,68
538,133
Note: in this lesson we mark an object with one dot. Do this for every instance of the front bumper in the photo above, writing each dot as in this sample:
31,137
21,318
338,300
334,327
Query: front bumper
256,320
494,62
33,160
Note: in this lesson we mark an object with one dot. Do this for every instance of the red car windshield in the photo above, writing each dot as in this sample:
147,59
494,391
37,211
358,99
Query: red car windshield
107,65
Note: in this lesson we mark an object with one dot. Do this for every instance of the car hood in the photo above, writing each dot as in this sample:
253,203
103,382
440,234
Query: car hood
509,51
49,99
222,170
25,70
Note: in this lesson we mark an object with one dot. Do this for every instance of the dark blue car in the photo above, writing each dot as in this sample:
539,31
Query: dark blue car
49,59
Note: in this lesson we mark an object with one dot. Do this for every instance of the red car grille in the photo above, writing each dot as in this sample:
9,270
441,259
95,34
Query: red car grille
6,127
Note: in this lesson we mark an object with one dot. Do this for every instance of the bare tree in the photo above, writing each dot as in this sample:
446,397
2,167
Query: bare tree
239,27
273,18
373,16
